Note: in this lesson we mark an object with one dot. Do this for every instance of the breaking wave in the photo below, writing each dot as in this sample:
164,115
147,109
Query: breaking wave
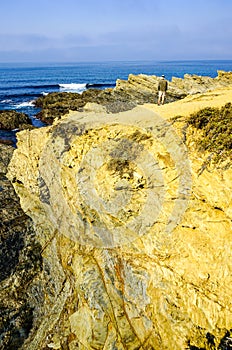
73,87
25,104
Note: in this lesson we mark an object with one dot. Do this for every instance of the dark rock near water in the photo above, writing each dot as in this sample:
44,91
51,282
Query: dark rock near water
20,262
10,120
6,153
56,104
6,142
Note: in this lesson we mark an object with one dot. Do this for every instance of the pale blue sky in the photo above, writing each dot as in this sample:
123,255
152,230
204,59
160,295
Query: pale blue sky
99,30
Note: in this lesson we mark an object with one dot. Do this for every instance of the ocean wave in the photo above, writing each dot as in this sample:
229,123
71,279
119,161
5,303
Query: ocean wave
73,87
25,104
8,100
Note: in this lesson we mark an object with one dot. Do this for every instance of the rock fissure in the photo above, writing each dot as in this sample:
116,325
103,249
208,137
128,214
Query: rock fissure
114,321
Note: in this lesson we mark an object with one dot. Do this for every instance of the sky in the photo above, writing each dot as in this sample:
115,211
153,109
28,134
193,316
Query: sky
115,30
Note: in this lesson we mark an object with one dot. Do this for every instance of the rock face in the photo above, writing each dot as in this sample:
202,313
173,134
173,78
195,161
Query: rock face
134,234
20,263
177,88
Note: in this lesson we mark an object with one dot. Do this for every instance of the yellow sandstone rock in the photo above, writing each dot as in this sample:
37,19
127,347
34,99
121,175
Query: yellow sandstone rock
138,243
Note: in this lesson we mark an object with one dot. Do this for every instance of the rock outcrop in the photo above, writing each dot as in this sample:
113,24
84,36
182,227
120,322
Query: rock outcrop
57,104
134,233
10,120
177,87
127,94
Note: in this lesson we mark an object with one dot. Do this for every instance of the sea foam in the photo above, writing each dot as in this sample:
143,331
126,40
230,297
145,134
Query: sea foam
6,101
73,87
25,104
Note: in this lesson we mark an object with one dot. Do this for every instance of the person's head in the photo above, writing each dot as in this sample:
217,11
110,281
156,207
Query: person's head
163,76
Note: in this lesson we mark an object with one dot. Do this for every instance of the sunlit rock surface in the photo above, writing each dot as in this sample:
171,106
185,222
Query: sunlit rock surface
177,88
135,234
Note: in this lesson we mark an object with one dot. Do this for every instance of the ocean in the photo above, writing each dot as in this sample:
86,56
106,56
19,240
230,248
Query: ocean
22,83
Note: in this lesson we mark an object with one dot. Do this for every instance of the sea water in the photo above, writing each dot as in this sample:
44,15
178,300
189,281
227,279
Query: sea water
22,83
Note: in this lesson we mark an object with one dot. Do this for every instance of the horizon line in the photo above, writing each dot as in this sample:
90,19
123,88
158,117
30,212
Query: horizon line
118,61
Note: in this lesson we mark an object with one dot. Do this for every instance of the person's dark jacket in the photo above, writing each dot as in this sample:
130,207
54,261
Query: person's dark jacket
163,85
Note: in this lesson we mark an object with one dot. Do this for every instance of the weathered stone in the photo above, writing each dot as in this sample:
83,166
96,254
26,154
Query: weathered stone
6,142
19,261
135,239
6,152
177,87
55,105
127,94
27,290
10,120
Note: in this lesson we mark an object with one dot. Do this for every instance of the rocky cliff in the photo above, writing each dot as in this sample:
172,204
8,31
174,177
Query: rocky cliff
135,232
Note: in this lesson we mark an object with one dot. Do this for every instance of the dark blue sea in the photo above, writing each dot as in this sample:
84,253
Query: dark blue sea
22,83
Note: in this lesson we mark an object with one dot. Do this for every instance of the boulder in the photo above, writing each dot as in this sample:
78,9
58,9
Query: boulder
10,120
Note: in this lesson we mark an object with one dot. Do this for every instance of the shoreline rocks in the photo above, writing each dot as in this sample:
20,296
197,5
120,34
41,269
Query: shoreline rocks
127,94
11,119
20,262
137,90
178,88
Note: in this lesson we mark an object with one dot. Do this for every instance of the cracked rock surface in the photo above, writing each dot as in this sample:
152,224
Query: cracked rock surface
107,280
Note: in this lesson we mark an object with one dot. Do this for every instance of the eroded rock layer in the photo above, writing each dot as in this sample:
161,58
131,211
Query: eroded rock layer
134,234
177,87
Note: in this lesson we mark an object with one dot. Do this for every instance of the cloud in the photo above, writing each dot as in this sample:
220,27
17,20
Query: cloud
23,42
149,36
155,41
28,42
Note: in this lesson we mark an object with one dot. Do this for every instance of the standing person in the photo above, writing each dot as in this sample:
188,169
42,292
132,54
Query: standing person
162,88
